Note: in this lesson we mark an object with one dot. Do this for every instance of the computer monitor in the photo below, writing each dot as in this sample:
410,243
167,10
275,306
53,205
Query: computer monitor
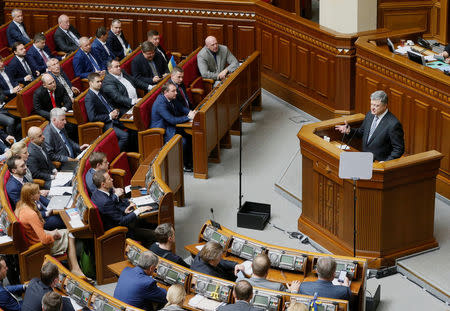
390,45
416,57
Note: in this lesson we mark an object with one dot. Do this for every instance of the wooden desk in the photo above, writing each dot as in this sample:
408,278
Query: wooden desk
118,267
128,121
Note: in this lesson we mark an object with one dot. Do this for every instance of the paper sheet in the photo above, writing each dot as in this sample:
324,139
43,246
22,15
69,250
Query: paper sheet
59,191
82,153
76,222
5,239
199,247
248,267
204,303
61,179
403,50
143,200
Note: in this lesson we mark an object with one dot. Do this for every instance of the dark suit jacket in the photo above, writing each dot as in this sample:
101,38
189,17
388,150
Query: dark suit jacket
13,189
14,34
168,255
82,65
3,143
101,54
40,166
114,45
89,183
224,270
95,108
63,42
17,72
43,104
140,68
138,289
180,101
111,210
63,74
325,289
7,302
4,85
36,60
387,141
238,306
116,93
164,115
56,147
34,293
160,51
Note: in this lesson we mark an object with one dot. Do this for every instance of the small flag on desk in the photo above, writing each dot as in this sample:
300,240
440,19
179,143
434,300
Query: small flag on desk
171,63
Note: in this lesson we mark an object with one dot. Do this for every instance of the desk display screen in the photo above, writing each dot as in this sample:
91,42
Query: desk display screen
248,250
340,267
78,292
149,176
211,288
155,191
172,275
107,307
261,300
216,237
287,259
4,220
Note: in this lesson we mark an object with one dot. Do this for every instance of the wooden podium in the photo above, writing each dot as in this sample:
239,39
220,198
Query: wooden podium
395,209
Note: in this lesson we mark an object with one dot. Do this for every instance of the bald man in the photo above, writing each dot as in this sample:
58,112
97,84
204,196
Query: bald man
49,96
84,62
215,61
66,37
39,162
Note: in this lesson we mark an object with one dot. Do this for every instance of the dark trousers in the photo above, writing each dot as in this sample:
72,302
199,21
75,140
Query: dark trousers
141,231
54,222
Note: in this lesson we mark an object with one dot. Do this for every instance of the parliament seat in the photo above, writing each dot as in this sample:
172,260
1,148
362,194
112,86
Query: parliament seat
4,46
196,86
125,63
50,42
67,67
87,131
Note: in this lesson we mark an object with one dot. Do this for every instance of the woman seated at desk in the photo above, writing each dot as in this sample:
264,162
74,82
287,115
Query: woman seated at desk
209,261
33,224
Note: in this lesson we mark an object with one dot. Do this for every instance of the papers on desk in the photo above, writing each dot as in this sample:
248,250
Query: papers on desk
59,191
403,50
199,247
143,200
248,267
61,179
82,153
5,239
75,305
203,303
60,202
429,58
336,282
343,147
75,218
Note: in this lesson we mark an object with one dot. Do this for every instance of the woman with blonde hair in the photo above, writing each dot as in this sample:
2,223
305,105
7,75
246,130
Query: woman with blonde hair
31,219
296,306
20,149
175,298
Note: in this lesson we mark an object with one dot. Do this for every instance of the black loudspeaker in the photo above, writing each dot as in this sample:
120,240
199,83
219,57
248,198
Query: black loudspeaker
253,215
372,302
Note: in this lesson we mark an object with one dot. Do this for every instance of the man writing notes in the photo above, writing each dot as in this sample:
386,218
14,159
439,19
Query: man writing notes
212,60
381,132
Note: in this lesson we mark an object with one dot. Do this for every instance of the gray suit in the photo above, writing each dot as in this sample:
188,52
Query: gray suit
208,66
258,282
240,305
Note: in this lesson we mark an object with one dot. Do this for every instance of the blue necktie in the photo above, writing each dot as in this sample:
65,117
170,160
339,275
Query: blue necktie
68,145
103,100
94,63
373,127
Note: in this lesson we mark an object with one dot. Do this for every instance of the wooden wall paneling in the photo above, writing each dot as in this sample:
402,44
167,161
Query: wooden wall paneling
141,33
152,24
230,40
245,41
199,34
284,58
395,103
267,50
433,131
421,126
442,141
275,60
321,80
39,23
84,29
216,30
93,24
359,90
171,43
407,18
371,86
128,31
302,66
184,34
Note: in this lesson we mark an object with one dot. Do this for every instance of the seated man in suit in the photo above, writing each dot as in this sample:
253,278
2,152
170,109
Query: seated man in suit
136,286
116,42
16,31
165,237
84,61
54,68
66,37
381,132
213,59
260,268
117,212
182,99
17,167
50,95
209,261
166,115
147,67
39,53
100,49
326,267
38,160
98,161
38,287
8,90
242,293
98,109
20,68
52,301
9,294
5,144
57,143
119,88
154,37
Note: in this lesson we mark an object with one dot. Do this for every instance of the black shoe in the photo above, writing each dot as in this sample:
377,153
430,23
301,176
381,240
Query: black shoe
188,169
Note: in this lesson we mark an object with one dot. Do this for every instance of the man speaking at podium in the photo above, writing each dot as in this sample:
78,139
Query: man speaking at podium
381,132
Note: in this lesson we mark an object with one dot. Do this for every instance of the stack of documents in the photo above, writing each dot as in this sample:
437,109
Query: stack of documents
203,303
61,179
